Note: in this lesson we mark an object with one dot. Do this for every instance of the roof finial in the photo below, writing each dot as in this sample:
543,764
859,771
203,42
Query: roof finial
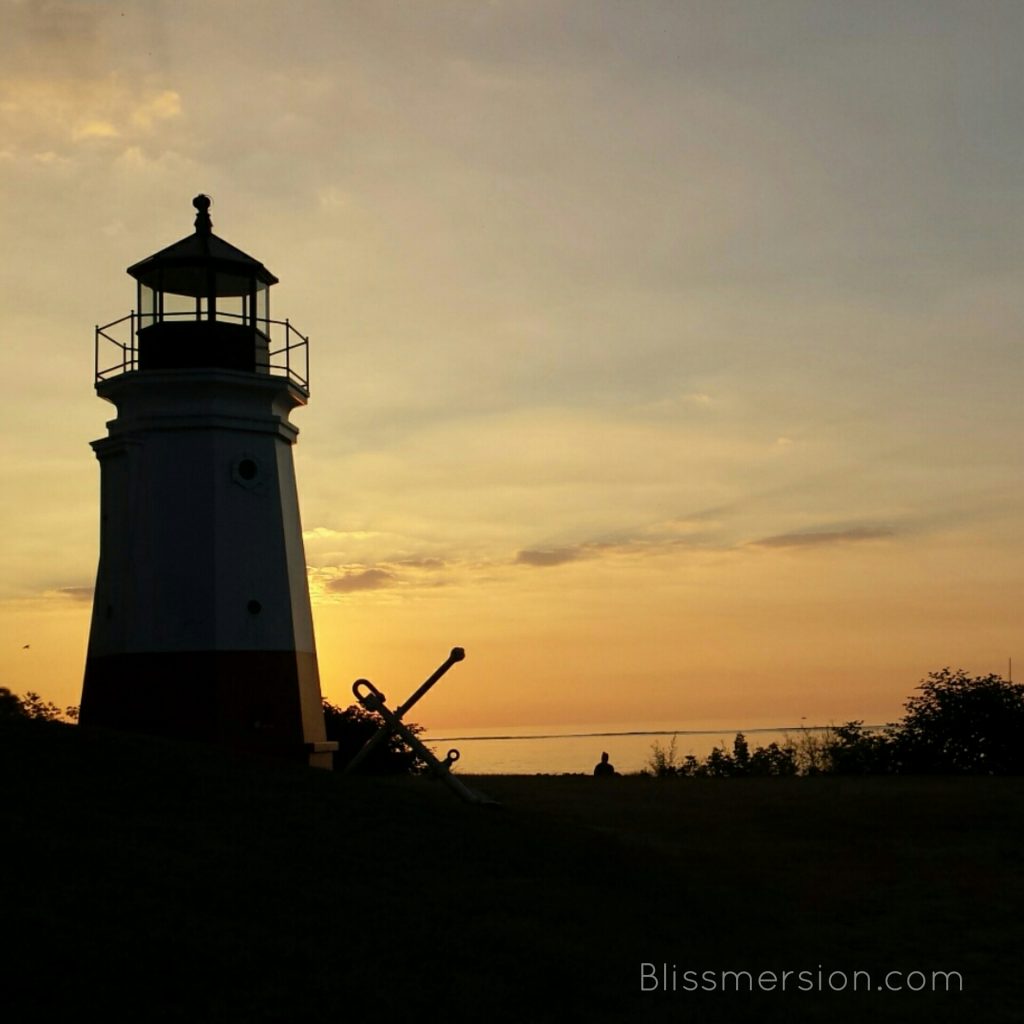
203,223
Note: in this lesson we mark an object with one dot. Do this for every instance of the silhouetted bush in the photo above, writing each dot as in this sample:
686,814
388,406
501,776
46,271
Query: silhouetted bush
351,727
773,760
10,704
850,749
32,706
956,725
740,755
721,764
961,725
663,763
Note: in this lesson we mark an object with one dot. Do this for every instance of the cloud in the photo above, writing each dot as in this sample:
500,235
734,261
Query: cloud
698,398
60,115
325,533
658,538
820,538
550,556
94,128
367,579
162,106
404,575
76,593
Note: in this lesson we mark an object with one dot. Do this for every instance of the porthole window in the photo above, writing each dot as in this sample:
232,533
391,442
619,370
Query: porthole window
247,471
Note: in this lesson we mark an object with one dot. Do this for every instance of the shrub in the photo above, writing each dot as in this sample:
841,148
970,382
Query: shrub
10,704
773,760
662,762
850,749
961,725
718,764
32,706
351,727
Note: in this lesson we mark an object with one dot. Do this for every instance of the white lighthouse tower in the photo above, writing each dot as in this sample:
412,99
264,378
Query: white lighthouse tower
201,624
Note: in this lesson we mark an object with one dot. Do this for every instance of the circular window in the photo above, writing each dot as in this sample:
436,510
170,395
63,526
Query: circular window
247,469
254,607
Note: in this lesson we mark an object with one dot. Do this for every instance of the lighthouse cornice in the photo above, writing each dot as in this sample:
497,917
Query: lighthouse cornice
203,386
176,400
125,431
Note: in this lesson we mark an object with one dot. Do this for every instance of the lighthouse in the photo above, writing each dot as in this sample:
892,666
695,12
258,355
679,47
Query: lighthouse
201,626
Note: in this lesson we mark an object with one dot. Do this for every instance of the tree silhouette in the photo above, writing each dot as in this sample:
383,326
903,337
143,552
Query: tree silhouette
351,727
740,755
850,749
773,760
962,725
10,704
31,706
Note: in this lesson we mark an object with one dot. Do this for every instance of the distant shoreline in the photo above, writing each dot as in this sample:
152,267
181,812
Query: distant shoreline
430,738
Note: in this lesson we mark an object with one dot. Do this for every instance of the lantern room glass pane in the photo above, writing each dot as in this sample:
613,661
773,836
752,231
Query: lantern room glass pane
179,307
147,306
262,308
230,307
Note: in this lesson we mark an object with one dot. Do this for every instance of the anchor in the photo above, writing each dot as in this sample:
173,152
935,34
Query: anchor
374,701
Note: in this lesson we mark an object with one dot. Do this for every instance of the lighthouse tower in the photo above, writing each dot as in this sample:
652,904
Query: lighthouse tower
201,624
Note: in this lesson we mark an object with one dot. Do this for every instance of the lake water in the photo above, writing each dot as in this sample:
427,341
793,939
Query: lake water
564,748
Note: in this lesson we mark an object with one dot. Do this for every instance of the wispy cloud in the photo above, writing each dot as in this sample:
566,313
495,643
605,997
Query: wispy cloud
367,579
325,533
822,538
657,539
550,556
401,575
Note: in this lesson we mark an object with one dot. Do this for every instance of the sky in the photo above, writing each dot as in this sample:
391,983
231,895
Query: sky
665,355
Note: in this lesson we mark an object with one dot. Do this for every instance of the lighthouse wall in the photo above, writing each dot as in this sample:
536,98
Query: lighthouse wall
201,623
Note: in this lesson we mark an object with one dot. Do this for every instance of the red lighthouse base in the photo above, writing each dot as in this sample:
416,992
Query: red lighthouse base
246,700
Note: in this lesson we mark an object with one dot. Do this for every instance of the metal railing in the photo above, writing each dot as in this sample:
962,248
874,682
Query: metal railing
286,354
292,351
127,350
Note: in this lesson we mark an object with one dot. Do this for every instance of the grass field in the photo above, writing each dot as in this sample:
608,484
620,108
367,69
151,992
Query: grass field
153,881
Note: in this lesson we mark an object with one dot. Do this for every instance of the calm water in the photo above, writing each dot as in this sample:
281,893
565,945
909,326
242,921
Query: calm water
527,751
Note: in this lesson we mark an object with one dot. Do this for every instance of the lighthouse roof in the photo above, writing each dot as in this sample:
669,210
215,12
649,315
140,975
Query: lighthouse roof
183,267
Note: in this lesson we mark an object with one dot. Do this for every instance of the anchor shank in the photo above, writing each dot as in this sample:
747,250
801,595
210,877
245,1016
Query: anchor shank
457,655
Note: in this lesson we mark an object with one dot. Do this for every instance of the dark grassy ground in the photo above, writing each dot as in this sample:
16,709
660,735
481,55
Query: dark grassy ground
160,882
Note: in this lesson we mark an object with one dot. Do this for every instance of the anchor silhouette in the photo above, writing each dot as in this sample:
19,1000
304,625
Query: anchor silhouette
373,700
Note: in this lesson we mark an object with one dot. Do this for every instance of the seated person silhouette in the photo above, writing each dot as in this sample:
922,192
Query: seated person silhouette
603,767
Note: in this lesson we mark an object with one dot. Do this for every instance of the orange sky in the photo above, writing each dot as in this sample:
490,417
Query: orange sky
665,356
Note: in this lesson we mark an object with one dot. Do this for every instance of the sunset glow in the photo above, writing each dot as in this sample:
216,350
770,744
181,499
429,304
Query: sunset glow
666,357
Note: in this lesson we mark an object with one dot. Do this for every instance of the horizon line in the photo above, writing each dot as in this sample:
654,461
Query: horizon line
639,732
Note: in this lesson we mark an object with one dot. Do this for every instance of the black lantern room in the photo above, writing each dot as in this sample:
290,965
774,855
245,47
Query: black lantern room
202,303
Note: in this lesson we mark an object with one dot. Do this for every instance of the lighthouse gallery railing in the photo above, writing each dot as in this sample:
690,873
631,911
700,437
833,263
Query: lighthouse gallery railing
290,357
